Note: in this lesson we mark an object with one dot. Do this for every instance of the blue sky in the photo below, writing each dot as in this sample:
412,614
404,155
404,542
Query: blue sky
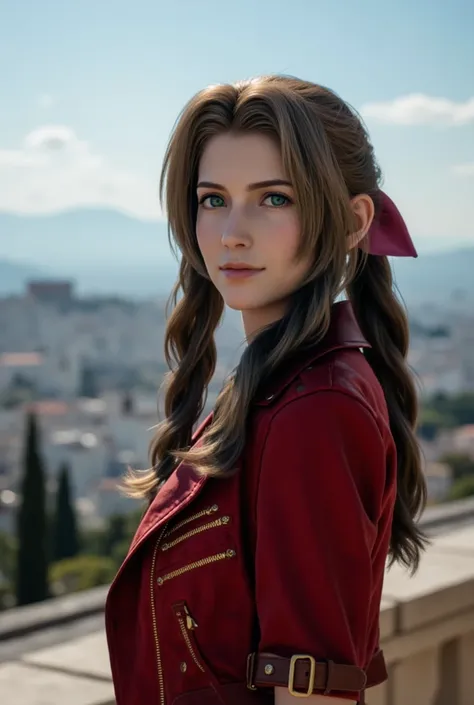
90,89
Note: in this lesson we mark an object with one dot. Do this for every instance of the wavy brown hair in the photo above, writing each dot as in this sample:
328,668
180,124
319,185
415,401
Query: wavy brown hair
329,159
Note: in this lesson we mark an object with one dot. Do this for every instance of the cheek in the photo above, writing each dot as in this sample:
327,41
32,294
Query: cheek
285,236
207,235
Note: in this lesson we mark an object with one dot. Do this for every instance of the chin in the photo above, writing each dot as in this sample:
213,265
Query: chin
245,303
237,305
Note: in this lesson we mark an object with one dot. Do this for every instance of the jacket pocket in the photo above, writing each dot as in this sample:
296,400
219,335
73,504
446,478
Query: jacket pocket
187,626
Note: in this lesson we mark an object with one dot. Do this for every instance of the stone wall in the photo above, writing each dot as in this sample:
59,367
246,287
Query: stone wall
427,634
427,627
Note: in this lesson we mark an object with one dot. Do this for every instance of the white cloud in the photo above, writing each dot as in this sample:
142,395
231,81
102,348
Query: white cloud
420,109
464,169
54,170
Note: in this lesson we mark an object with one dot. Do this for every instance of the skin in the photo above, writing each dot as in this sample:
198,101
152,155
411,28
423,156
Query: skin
242,218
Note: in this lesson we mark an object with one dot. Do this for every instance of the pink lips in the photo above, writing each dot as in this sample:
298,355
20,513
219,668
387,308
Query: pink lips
239,271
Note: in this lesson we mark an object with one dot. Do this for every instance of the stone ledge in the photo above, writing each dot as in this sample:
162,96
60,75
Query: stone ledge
388,618
26,684
399,647
441,514
87,655
442,588
23,620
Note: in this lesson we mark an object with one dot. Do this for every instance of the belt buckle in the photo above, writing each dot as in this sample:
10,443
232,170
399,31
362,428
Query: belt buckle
312,675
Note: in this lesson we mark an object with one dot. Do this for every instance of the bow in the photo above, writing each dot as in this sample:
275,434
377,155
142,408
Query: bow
388,235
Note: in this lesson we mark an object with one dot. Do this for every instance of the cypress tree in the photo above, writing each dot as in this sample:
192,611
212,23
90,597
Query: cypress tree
65,535
88,383
32,564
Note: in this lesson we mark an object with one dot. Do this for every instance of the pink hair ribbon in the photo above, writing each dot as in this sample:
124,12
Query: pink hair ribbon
388,234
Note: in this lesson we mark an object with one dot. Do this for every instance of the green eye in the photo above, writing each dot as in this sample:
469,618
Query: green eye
277,200
213,201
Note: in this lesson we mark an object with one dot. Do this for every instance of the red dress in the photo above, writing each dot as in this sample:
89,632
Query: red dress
227,579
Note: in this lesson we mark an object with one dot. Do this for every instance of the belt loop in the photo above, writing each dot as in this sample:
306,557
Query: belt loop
329,671
250,671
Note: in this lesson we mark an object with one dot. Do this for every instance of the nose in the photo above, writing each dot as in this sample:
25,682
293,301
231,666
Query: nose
235,233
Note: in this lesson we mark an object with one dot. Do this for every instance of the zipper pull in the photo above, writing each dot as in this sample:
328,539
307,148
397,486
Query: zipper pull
190,623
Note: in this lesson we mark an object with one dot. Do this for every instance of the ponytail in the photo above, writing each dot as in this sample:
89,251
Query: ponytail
384,324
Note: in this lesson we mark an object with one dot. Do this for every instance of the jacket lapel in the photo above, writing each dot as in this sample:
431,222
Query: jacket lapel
177,492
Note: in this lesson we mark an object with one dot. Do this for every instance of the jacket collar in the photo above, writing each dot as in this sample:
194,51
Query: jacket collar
343,333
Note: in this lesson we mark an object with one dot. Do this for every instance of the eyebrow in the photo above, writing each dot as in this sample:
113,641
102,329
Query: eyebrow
250,187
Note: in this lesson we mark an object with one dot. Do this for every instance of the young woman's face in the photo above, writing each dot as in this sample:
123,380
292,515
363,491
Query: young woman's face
248,227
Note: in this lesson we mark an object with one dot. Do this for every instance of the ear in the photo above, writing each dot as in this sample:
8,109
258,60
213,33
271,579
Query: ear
364,211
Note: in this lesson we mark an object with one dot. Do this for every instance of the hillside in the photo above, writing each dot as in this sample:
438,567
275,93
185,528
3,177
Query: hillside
109,252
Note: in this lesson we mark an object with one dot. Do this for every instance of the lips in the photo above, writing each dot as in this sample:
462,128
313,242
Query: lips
239,266
239,271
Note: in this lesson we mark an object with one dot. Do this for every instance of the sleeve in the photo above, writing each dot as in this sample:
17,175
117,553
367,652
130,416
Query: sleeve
321,489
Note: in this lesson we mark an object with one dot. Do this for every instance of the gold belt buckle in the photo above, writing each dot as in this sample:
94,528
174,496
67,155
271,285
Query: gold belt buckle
312,675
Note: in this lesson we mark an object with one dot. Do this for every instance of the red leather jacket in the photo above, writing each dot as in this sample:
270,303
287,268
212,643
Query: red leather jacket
227,580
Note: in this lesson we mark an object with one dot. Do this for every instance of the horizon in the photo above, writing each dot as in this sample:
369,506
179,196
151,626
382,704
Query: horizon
437,249
89,128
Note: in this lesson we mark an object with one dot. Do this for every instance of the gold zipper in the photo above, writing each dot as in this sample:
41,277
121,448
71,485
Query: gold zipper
159,666
230,553
203,513
222,521
189,625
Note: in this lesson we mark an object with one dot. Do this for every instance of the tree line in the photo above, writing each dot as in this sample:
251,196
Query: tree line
48,554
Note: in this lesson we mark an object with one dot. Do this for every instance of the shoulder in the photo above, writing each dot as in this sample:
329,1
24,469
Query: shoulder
340,383
333,419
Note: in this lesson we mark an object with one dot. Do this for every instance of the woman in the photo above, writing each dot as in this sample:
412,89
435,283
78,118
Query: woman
256,573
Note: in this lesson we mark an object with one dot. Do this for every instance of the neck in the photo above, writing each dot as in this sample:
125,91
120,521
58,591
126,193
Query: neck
255,320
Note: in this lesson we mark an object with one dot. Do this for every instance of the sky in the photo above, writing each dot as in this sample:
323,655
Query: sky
90,90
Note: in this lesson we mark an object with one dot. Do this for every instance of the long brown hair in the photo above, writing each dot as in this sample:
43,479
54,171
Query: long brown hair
328,157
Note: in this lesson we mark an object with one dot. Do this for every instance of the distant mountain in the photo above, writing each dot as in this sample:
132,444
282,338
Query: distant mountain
14,275
106,251
436,277
82,236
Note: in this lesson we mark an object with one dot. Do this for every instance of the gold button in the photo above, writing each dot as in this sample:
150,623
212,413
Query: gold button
165,547
183,667
214,508
225,520
269,669
230,553
160,581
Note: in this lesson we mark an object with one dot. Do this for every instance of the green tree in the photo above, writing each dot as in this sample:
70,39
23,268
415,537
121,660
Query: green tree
81,573
432,421
115,533
461,464
463,487
65,534
32,566
88,383
8,556
7,570
459,407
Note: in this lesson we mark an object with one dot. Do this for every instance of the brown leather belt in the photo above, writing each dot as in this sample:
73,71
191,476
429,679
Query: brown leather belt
303,675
